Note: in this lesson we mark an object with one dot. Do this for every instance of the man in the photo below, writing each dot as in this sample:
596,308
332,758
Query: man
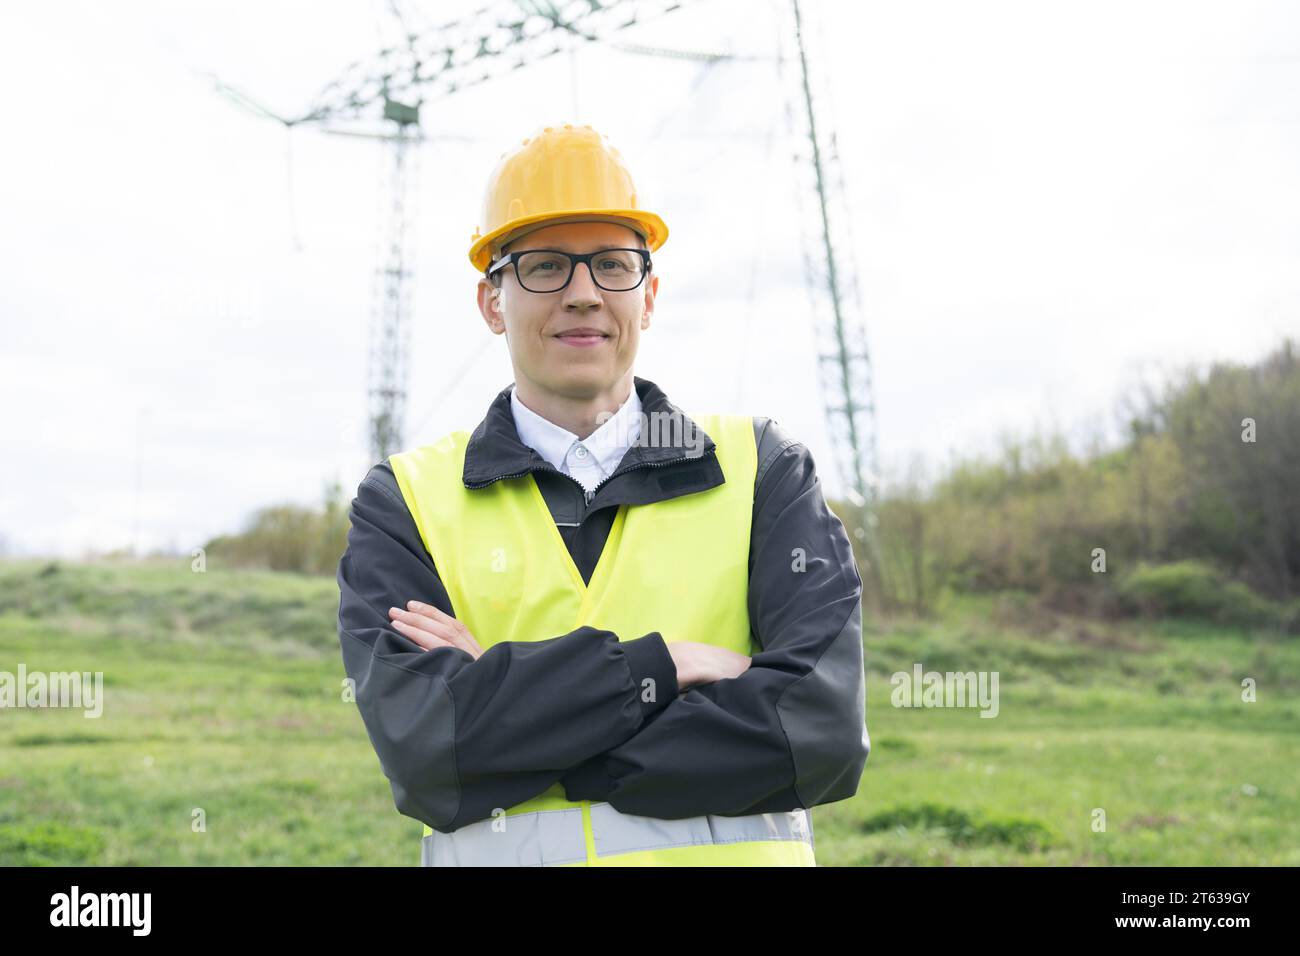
597,631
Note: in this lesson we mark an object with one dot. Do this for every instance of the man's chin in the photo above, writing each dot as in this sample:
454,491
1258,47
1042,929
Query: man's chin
581,381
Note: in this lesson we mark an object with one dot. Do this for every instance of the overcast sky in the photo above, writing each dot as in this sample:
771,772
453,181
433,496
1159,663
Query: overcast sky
1046,199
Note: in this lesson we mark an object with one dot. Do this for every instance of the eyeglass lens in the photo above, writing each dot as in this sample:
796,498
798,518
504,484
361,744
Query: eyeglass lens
615,270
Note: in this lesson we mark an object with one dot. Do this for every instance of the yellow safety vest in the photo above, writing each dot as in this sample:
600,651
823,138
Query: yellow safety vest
679,567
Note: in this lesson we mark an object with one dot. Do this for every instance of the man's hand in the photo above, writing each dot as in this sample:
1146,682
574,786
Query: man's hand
431,628
699,663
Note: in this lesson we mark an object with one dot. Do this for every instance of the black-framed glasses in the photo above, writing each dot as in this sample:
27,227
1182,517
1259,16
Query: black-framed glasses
550,270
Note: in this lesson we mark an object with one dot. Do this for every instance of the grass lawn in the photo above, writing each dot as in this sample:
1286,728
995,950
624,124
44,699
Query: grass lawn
225,738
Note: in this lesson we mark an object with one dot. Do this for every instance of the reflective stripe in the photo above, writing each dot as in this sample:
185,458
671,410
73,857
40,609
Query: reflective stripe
552,837
542,838
616,832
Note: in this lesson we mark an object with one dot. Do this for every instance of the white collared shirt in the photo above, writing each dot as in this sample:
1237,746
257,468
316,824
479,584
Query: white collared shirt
589,460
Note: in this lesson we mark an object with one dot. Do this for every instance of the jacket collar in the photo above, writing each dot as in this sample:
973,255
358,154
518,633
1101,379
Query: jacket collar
607,444
494,450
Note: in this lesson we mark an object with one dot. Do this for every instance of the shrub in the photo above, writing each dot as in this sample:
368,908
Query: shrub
963,829
1194,589
48,844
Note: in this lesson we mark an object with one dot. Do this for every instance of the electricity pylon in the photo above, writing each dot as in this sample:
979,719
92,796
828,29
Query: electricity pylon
844,360
391,88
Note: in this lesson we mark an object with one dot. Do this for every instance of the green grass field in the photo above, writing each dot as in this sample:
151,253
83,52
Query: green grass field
223,703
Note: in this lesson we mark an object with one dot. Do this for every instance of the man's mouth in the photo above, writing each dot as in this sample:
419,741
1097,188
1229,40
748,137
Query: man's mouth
582,337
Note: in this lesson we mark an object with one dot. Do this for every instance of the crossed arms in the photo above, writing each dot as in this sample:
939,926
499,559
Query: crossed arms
460,732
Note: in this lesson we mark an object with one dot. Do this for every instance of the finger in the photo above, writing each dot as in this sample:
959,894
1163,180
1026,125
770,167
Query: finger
447,629
425,622
423,638
451,627
430,611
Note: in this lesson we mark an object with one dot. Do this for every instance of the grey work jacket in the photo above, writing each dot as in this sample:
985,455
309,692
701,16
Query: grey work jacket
459,737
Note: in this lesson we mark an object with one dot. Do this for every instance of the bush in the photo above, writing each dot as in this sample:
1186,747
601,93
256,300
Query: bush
289,538
49,843
1195,589
962,828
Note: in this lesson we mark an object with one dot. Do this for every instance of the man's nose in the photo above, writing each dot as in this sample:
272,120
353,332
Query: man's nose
582,291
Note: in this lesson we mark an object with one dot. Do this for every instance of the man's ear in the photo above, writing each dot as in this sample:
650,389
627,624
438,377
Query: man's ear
489,305
652,289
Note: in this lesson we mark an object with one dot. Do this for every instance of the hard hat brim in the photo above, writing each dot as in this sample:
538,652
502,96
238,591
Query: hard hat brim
653,228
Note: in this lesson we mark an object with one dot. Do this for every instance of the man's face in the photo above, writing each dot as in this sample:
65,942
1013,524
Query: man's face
537,325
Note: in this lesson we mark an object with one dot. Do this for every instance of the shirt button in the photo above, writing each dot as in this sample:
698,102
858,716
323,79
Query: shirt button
580,451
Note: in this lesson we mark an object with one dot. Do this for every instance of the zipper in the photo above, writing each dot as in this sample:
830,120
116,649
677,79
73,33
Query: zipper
541,467
647,464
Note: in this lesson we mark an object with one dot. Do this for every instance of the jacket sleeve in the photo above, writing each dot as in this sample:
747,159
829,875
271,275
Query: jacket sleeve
459,737
791,731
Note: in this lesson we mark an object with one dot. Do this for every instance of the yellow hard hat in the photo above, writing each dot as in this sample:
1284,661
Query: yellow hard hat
559,174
